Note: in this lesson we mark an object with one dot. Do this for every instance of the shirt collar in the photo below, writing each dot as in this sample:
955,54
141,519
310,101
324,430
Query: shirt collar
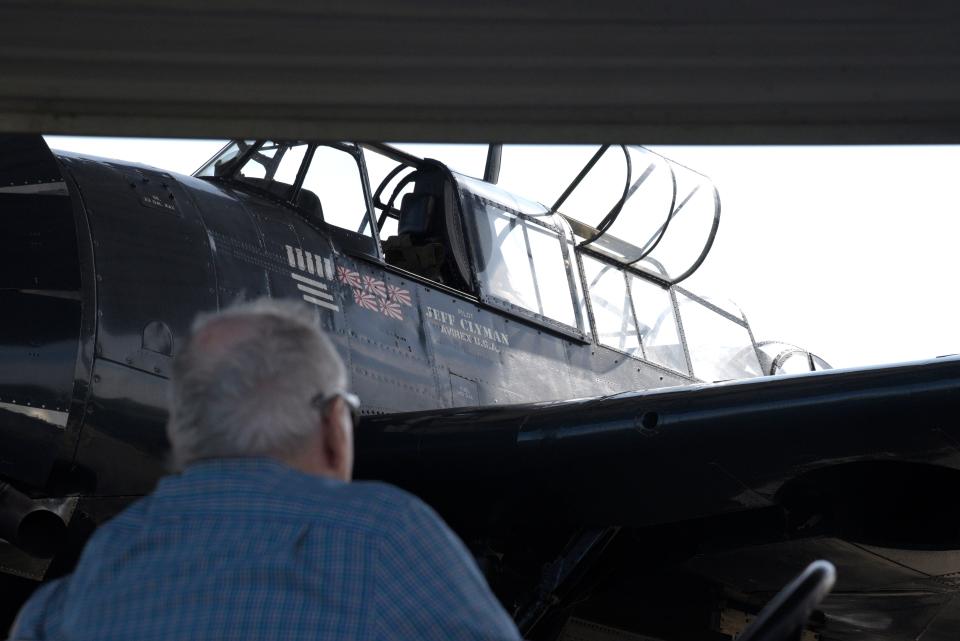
221,473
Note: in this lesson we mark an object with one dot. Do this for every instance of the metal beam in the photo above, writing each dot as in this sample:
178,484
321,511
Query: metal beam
686,71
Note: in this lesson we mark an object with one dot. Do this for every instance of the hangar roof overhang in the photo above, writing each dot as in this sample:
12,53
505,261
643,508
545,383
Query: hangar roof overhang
685,71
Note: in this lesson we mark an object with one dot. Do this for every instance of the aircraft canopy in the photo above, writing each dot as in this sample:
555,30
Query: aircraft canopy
624,202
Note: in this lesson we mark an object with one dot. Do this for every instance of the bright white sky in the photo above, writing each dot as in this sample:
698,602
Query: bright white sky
846,251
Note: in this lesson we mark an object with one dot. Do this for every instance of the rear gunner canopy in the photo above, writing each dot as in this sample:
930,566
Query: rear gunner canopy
623,202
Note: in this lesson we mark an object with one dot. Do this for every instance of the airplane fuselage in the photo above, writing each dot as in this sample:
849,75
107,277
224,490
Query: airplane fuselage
154,249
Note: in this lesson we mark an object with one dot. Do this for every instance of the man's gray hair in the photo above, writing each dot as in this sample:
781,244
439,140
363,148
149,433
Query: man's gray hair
243,383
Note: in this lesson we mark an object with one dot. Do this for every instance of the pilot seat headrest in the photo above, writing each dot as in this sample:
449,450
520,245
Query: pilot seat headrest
417,213
421,212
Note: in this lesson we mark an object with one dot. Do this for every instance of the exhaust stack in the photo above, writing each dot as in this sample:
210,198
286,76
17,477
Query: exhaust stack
35,530
40,297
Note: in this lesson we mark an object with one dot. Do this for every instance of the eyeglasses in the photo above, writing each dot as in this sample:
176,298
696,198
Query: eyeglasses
320,401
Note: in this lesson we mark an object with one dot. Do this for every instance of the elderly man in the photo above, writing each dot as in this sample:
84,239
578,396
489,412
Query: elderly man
262,536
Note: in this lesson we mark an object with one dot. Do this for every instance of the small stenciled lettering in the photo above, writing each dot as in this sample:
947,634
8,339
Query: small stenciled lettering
155,201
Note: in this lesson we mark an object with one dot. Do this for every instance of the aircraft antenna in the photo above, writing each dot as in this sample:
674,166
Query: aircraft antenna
491,172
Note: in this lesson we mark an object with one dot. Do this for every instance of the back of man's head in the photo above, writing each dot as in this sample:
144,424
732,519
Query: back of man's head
245,382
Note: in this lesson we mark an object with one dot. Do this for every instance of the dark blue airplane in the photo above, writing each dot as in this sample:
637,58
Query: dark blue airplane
698,471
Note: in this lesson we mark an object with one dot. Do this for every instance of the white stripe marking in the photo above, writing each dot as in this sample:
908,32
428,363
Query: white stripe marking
308,281
328,265
290,258
316,301
310,263
300,264
58,188
315,292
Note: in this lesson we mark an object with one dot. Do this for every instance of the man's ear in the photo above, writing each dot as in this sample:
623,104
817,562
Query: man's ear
336,442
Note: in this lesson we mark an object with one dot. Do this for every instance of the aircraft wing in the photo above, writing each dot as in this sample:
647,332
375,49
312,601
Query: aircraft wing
735,484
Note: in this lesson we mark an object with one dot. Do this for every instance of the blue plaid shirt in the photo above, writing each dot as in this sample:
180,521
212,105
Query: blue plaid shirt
250,549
